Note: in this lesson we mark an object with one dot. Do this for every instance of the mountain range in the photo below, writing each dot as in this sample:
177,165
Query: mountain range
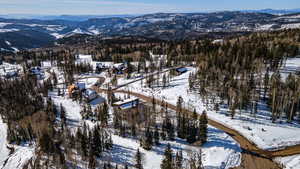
17,34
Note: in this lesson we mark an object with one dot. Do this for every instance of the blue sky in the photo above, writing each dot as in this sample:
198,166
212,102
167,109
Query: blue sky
79,7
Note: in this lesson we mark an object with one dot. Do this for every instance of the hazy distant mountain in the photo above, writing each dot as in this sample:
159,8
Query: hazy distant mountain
275,11
60,17
166,26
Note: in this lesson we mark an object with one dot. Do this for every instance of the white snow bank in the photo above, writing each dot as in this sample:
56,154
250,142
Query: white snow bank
289,162
4,151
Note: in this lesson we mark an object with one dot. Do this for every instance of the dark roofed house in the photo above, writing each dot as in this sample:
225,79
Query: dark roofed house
38,72
80,86
181,70
127,104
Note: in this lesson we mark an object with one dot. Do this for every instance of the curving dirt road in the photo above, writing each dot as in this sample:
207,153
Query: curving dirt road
252,156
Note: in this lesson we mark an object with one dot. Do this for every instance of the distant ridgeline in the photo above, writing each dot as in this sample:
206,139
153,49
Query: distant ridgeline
18,34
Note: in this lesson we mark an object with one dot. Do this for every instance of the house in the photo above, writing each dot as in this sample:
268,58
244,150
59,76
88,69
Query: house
127,104
83,59
101,66
160,60
218,41
48,64
119,66
90,94
38,72
12,74
158,57
181,70
80,86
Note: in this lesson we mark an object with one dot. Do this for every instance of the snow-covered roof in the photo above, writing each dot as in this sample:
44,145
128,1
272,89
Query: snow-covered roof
218,41
157,56
125,101
83,59
48,64
80,56
118,65
89,92
36,70
80,85
181,70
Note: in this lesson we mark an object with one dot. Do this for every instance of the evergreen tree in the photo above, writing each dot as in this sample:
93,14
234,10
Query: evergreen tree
203,127
63,115
147,142
156,136
138,160
167,162
179,160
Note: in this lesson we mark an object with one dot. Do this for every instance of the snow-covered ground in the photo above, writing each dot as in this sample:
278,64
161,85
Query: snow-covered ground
289,162
220,150
4,151
18,158
291,65
258,129
290,26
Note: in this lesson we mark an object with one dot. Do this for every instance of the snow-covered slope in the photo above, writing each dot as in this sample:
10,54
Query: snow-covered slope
19,156
259,129
289,162
220,150
4,151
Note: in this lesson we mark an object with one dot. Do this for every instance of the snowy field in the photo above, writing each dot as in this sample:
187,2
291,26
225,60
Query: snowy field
289,162
18,158
220,150
4,151
259,129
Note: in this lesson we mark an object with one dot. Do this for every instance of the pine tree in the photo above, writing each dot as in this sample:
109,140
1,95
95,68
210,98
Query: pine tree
147,142
178,160
96,142
138,160
63,115
92,162
164,81
168,128
167,162
203,127
156,136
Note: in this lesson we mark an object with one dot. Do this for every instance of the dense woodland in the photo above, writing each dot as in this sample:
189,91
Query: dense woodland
238,72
